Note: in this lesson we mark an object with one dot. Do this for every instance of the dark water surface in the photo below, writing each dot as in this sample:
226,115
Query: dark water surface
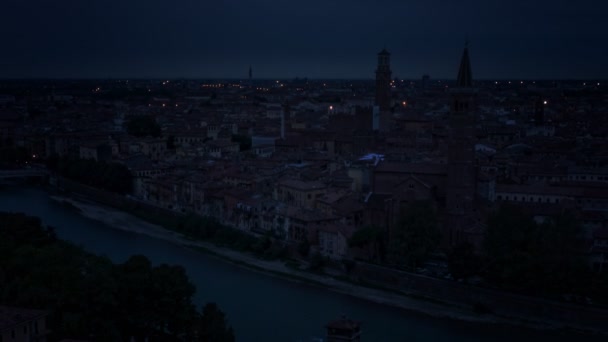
259,307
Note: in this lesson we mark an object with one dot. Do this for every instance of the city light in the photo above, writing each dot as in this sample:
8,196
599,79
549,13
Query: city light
545,102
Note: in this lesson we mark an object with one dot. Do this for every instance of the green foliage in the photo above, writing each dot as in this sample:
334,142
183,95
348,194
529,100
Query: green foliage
14,155
372,239
535,258
293,264
304,248
208,229
463,262
261,245
317,262
212,325
143,126
415,236
349,265
88,296
275,251
112,177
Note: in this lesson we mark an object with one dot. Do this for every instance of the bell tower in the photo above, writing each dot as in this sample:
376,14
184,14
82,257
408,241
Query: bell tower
383,81
461,182
463,95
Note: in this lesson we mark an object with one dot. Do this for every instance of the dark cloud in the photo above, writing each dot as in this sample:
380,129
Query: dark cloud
315,38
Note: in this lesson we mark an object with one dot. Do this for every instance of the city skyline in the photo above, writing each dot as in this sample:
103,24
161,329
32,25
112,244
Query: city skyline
334,40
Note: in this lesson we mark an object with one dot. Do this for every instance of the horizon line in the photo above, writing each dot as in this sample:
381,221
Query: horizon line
245,79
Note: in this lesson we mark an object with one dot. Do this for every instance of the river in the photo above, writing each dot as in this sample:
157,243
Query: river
259,307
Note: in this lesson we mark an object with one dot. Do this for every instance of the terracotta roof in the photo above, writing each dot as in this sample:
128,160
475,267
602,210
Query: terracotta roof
414,168
541,189
301,185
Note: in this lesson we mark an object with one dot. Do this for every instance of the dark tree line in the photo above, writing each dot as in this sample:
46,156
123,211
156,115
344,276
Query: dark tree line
108,176
522,255
13,155
518,254
89,297
411,240
540,258
209,229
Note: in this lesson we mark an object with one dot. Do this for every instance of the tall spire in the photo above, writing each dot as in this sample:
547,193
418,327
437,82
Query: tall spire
465,77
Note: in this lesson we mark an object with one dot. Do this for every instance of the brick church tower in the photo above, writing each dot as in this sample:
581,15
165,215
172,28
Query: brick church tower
382,106
461,182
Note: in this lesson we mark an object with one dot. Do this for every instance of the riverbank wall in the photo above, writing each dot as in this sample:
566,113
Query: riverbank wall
524,310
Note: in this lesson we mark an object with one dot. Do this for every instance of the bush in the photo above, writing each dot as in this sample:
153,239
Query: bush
304,248
317,262
291,263
275,251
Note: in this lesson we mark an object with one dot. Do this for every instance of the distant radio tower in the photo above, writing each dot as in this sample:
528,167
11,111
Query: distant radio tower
250,76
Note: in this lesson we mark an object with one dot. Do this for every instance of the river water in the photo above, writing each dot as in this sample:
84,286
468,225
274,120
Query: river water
259,307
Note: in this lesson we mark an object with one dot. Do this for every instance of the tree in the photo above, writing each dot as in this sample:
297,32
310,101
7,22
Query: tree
88,296
535,258
510,247
113,177
463,262
370,237
173,291
212,325
304,248
14,155
415,236
317,262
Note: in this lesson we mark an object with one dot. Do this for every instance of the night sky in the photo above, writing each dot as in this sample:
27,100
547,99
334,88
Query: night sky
517,39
